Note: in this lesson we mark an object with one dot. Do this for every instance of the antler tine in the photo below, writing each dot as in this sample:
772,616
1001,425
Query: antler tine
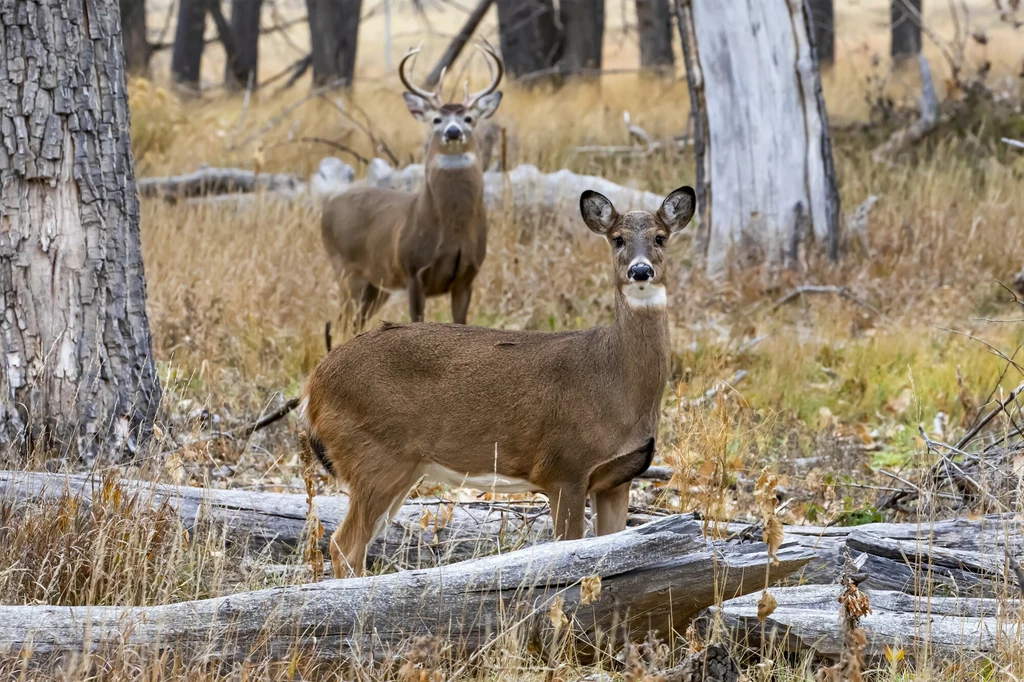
440,84
488,51
430,96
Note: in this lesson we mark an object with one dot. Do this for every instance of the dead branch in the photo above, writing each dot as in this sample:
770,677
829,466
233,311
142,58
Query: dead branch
922,127
211,181
1013,143
459,42
842,292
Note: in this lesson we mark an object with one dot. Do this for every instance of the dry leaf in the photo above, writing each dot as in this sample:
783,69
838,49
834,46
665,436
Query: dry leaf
425,518
766,606
590,590
764,493
773,537
444,517
693,639
175,466
556,615
893,655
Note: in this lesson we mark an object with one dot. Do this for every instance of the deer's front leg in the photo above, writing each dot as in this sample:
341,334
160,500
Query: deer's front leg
417,300
461,294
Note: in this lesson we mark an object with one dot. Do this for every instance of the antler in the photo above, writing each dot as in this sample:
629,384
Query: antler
488,51
432,97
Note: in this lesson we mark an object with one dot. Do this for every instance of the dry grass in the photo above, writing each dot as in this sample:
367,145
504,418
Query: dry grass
238,300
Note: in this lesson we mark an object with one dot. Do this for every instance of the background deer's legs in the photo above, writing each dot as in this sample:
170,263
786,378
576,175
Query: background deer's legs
417,299
461,294
373,298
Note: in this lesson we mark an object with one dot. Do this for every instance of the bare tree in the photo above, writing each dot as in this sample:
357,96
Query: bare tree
582,34
823,19
187,56
137,49
334,30
530,41
655,20
765,176
905,16
78,374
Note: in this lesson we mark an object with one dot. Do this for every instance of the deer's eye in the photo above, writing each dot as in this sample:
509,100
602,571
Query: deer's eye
619,242
468,119
659,240
437,120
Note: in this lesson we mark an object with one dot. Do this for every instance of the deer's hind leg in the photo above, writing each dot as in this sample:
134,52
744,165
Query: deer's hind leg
568,503
373,502
609,488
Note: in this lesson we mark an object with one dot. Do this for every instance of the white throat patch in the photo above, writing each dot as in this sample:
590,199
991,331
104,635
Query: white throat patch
455,161
645,295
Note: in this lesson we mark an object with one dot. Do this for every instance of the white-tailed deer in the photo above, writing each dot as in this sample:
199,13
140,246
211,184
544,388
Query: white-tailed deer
430,243
564,413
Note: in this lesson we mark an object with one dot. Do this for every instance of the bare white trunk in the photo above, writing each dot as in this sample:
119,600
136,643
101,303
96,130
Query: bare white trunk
765,176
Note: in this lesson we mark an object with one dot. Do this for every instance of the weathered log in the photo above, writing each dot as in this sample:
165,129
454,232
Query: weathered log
955,556
653,577
807,619
207,181
425,532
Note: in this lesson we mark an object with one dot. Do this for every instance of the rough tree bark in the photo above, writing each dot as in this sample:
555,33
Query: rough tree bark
906,29
78,373
530,42
823,19
655,20
582,34
333,30
187,55
137,49
245,28
765,175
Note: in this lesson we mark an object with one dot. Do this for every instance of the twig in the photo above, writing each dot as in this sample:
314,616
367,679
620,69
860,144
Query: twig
922,127
963,476
739,377
1013,143
327,335
268,419
330,143
842,292
300,66
279,118
365,128
969,436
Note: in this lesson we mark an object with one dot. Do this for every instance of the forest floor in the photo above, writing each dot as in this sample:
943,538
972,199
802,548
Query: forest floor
834,393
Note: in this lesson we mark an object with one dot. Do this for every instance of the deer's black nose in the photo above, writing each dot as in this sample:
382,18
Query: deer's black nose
640,272
452,133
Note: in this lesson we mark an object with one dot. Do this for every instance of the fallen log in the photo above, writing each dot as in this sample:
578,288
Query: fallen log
655,577
525,189
215,181
954,556
807,619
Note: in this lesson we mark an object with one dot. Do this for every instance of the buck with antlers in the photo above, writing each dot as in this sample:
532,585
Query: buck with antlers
429,243
565,413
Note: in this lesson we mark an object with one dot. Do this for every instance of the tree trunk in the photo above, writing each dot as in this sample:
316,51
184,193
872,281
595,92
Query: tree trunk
765,176
823,20
133,34
334,30
530,43
905,16
188,43
78,373
582,34
245,29
652,578
655,20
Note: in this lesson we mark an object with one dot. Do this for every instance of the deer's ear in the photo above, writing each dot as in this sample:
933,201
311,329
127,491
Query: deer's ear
678,208
418,107
598,212
487,105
